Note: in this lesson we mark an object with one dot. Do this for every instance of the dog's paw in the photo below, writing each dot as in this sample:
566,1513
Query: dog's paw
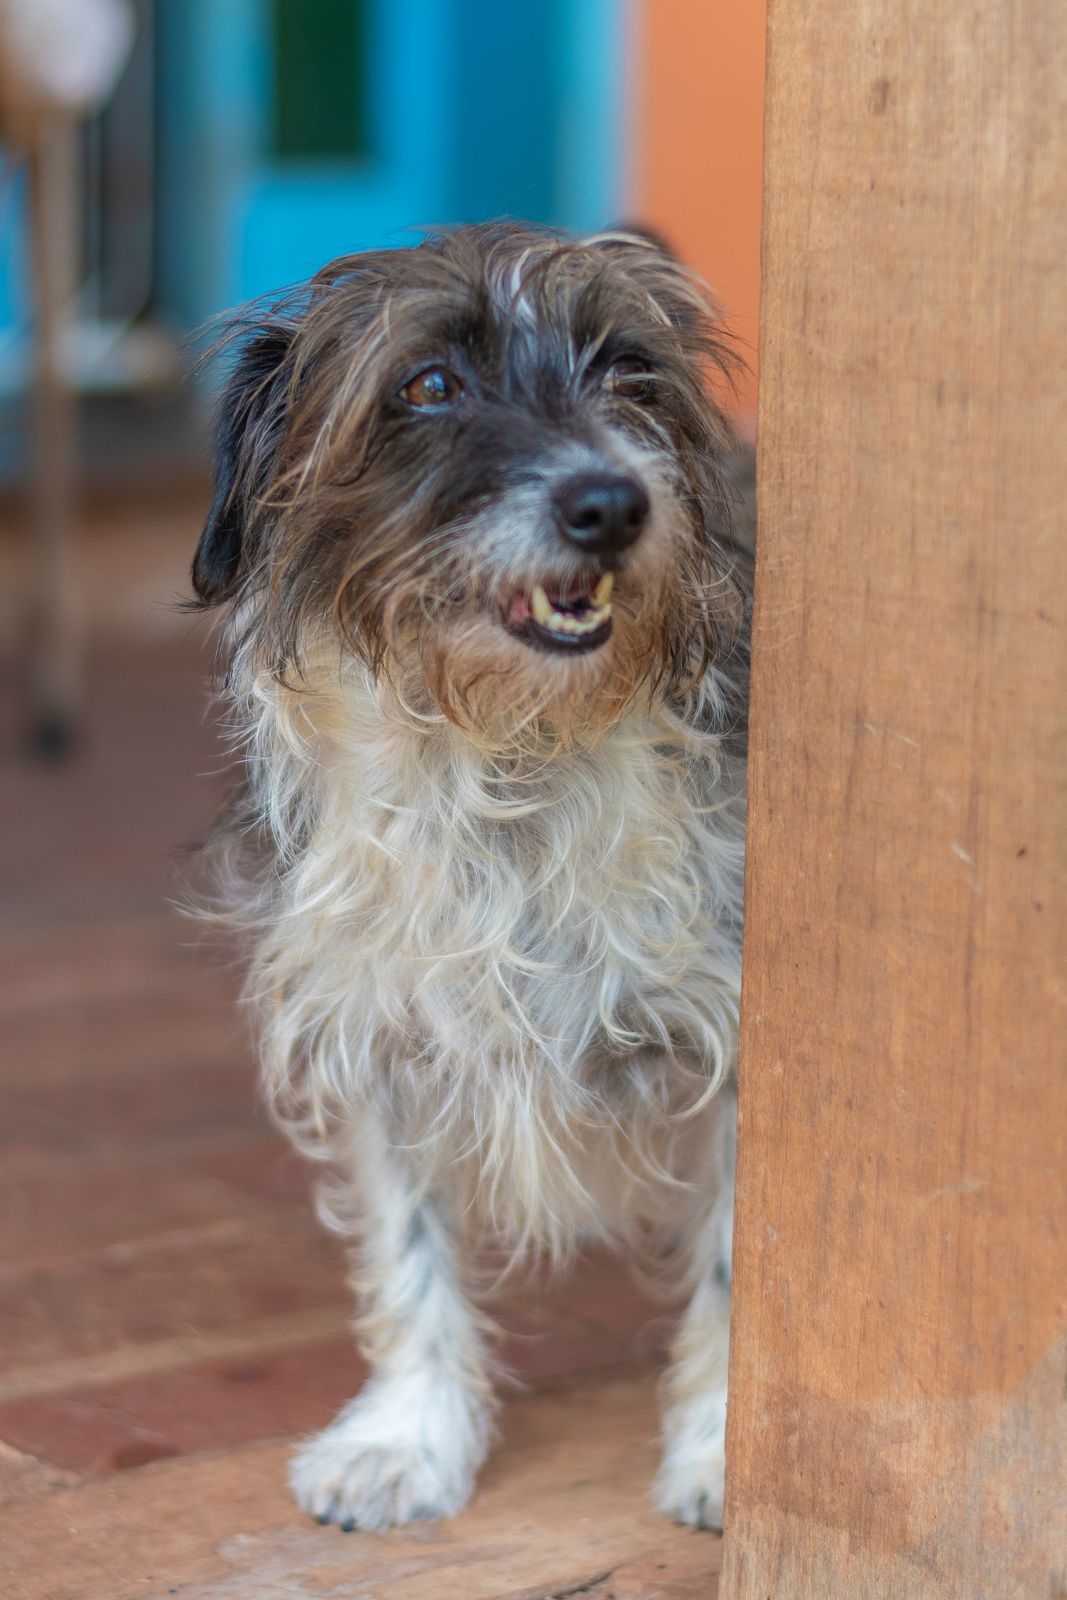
689,1487
337,1480
385,1461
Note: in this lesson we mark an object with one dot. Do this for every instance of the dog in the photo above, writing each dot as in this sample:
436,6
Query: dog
485,651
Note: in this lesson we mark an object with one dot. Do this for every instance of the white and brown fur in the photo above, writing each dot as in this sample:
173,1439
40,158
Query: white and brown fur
493,891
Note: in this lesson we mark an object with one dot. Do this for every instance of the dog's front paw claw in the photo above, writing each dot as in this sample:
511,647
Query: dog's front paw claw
691,1491
373,1486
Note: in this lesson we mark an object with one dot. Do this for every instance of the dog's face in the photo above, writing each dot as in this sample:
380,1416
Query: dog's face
491,466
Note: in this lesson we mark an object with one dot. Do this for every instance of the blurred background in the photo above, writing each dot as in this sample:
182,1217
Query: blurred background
182,156
164,160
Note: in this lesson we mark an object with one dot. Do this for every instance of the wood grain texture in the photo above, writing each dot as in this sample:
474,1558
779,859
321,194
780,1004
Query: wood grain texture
897,1421
562,1509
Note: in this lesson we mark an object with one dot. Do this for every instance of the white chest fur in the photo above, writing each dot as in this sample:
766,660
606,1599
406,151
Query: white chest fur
488,949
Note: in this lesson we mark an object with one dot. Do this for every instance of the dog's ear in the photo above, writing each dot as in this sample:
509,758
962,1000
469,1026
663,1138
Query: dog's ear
677,296
641,233
651,263
251,425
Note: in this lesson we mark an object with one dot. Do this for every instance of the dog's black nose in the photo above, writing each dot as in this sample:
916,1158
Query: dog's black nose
601,514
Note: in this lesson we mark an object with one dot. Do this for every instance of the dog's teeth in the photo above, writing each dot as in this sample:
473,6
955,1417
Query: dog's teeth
539,605
592,620
596,612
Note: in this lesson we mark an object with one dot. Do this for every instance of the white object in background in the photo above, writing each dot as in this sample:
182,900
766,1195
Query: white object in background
59,60
60,57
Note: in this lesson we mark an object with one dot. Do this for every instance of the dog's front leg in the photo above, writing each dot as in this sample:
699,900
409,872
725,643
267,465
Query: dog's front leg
409,1445
690,1482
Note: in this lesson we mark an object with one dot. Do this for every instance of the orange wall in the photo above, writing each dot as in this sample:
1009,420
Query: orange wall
696,157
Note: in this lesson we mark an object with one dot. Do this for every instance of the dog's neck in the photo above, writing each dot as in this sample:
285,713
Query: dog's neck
340,729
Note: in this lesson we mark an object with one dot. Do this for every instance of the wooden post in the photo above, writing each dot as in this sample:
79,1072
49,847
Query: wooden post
55,643
897,1421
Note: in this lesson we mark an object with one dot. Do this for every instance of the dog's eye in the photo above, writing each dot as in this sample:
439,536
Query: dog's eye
629,378
432,389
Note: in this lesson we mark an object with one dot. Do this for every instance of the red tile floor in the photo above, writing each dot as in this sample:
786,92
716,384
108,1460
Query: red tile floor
171,1317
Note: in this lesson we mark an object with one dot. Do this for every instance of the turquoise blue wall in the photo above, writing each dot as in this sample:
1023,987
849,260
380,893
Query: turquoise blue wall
13,266
476,108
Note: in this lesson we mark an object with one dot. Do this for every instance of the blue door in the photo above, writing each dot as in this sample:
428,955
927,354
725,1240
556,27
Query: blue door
297,130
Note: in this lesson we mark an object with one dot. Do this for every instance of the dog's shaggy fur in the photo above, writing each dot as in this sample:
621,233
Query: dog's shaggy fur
491,867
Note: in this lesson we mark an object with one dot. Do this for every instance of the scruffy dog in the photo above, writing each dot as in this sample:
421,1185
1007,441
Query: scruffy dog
486,663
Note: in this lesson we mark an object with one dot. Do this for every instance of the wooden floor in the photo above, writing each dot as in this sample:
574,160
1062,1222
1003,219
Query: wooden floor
170,1316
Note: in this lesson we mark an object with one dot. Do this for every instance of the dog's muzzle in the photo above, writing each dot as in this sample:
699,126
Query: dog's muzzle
601,515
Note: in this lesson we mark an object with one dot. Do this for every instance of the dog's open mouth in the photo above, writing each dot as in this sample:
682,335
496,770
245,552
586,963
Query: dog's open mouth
574,618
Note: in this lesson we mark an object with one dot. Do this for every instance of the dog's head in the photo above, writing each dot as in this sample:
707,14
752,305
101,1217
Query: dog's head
491,465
